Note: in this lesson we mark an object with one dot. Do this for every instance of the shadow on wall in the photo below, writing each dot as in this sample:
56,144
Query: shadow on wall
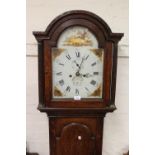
126,153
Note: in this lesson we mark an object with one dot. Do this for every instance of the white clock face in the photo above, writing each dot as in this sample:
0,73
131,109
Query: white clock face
77,65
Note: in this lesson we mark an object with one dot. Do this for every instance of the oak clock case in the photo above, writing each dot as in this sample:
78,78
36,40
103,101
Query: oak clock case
77,61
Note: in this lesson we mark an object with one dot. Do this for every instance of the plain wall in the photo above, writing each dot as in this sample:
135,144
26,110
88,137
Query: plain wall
39,14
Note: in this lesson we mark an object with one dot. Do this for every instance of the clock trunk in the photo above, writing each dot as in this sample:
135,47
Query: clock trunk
79,136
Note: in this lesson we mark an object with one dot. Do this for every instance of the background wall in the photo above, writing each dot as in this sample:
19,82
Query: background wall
39,15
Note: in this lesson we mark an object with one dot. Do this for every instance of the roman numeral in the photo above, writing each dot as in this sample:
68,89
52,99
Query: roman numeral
77,54
93,64
86,57
68,88
68,57
61,64
76,91
59,73
61,82
87,89
96,73
93,82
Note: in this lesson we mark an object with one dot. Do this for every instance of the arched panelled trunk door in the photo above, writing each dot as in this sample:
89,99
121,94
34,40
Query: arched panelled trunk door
76,136
75,139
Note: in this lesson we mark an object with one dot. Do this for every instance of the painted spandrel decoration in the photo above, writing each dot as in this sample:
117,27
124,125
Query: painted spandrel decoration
77,65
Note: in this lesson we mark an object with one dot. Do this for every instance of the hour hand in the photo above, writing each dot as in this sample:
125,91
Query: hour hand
76,64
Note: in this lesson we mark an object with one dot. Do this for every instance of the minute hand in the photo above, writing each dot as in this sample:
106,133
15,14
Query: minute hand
81,64
87,75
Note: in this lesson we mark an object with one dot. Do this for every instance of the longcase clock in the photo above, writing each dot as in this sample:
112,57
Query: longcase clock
77,58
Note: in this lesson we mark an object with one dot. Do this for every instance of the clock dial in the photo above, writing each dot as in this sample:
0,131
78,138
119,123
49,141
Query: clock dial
77,65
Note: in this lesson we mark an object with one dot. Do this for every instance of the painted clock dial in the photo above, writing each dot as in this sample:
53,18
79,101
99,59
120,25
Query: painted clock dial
77,65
